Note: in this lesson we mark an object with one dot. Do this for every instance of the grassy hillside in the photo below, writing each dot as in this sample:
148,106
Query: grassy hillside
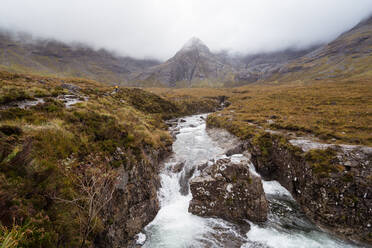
333,111
347,56
47,149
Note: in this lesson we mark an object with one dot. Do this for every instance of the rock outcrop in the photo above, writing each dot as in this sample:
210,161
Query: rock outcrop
135,202
192,64
332,183
229,191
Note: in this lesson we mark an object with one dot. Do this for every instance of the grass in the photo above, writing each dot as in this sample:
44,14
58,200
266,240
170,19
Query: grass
333,111
322,161
44,147
14,237
192,100
336,111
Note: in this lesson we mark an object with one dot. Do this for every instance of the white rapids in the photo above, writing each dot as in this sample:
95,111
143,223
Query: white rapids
175,227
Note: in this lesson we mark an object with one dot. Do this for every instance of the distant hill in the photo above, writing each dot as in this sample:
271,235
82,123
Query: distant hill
51,57
257,67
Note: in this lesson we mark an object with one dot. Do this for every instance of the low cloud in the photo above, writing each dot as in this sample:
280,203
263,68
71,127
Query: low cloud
158,28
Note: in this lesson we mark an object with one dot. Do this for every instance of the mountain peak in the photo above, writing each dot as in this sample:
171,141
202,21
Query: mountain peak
195,43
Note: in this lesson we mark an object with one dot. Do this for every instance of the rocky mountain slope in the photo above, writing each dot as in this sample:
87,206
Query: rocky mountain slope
193,63
254,67
196,65
23,54
349,55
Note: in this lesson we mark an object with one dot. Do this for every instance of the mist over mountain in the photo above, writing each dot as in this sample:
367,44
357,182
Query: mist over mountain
149,28
194,64
23,53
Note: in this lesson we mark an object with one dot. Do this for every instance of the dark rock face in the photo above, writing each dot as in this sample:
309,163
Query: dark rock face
339,200
135,202
184,180
193,63
236,150
178,167
229,191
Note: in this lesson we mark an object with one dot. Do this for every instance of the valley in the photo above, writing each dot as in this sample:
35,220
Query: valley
205,149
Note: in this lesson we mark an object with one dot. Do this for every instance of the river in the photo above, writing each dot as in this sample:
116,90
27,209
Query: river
175,227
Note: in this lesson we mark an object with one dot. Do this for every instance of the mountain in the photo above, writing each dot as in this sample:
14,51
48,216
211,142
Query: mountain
23,54
193,64
348,55
254,67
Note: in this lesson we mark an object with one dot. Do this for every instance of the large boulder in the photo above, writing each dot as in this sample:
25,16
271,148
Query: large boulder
229,191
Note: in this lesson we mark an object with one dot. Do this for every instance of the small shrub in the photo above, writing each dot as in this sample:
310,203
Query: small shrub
13,94
52,145
323,161
50,106
14,113
10,130
14,237
265,143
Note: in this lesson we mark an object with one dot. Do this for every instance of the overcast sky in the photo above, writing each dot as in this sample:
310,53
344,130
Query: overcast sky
158,28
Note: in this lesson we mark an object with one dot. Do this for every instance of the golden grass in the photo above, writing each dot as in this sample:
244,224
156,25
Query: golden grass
334,111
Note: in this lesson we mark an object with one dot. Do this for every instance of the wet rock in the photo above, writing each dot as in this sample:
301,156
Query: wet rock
70,87
202,166
177,168
174,130
239,149
270,122
229,191
182,120
184,180
70,100
171,124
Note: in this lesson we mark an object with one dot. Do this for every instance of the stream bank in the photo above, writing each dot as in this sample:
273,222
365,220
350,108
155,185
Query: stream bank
174,226
332,183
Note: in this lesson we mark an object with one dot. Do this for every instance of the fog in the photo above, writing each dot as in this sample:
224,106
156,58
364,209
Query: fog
158,28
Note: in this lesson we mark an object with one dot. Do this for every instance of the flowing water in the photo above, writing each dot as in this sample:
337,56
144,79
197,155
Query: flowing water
175,227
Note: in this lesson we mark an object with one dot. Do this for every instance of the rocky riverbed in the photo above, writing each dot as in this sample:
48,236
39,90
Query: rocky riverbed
275,218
